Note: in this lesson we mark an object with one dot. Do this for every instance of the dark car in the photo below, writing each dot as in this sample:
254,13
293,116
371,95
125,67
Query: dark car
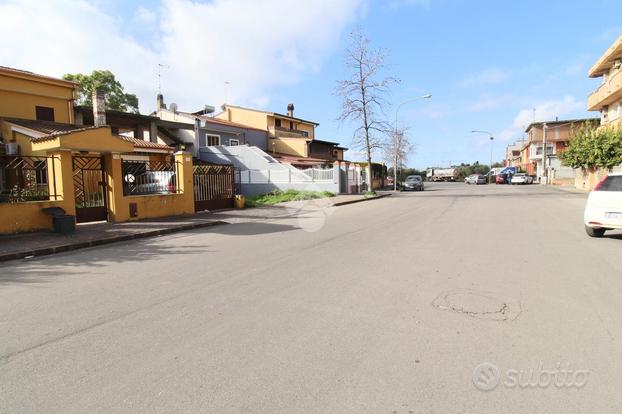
413,183
501,179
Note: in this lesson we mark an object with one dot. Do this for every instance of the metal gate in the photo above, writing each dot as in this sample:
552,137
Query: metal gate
214,186
90,189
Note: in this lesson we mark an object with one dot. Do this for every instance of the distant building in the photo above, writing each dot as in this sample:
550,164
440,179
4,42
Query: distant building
513,154
557,139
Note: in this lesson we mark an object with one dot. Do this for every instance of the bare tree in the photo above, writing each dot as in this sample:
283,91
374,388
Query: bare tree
396,149
363,95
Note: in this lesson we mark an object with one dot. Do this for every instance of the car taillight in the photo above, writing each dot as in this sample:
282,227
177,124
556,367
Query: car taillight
600,183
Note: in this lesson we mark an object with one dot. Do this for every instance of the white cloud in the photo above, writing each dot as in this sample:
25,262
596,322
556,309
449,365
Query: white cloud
544,111
488,76
244,42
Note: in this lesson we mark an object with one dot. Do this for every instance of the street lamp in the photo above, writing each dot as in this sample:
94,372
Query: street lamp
491,142
395,143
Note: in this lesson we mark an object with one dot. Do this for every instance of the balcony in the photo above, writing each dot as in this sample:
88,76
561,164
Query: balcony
608,93
287,133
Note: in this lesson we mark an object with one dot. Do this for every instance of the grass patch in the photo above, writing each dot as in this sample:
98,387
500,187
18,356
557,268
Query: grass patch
370,194
278,196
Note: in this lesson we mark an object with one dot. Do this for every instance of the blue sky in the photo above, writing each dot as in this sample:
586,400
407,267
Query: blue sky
484,62
487,63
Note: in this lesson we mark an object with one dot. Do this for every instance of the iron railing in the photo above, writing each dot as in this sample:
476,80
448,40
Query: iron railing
26,178
149,177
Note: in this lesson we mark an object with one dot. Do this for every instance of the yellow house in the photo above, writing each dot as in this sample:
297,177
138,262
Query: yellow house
26,95
87,171
608,97
286,134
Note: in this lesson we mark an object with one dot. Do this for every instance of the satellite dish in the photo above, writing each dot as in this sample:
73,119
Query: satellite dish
173,107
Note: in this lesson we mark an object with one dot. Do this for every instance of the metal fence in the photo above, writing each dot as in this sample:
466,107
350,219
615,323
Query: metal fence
319,174
213,186
285,176
24,178
149,177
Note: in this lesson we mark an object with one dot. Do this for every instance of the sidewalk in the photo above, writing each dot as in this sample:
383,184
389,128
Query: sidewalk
95,234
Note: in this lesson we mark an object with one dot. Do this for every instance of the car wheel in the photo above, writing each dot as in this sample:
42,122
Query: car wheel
593,232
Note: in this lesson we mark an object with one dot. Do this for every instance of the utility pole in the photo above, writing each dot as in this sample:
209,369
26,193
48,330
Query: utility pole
477,131
395,140
492,139
544,174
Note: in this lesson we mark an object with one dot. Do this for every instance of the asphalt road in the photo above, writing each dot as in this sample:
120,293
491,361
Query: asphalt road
389,306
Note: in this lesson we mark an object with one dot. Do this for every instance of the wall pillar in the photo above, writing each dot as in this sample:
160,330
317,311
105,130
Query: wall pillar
60,179
114,187
183,165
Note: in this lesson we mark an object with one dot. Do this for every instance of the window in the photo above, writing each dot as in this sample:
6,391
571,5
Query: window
44,113
277,123
209,140
234,142
612,183
549,149
213,140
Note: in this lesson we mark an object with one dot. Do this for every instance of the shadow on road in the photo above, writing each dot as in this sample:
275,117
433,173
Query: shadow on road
43,269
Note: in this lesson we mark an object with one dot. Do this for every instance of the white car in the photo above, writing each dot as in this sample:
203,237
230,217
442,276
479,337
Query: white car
603,210
521,178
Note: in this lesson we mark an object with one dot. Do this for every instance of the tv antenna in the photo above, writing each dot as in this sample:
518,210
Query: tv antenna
160,66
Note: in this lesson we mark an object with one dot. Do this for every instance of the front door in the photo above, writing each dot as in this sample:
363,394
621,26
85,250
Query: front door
90,189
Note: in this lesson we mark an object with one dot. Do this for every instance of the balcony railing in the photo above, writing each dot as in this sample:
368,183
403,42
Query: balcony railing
288,133
25,179
607,93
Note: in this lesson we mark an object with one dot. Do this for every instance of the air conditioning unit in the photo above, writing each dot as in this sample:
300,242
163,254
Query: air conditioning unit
12,148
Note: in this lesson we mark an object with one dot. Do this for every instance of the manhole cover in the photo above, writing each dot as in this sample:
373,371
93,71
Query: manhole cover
481,305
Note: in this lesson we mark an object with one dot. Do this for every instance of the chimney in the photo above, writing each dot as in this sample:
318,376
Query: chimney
99,108
290,110
160,102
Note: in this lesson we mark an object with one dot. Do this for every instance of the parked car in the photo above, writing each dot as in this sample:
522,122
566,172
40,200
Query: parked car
476,179
603,210
501,179
413,183
522,178
151,182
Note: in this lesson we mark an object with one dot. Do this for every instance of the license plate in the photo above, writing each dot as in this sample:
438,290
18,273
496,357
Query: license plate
613,216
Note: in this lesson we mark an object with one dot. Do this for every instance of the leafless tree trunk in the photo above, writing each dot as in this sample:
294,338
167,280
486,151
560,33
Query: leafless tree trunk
362,95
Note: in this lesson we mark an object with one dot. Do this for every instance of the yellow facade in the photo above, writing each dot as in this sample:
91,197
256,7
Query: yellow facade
149,206
21,92
291,146
290,138
607,99
29,216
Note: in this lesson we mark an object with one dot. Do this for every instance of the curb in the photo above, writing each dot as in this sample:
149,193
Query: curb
345,203
45,251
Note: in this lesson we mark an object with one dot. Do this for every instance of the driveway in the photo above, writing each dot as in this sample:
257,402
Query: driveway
459,299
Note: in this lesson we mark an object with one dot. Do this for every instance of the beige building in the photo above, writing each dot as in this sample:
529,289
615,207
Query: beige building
608,97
